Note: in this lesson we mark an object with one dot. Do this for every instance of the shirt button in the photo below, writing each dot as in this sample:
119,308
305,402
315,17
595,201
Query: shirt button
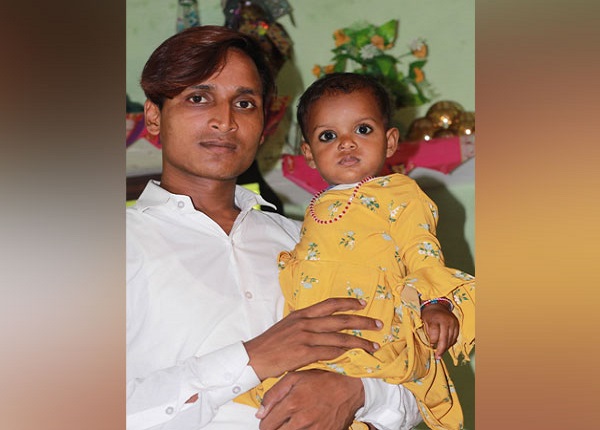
236,390
180,204
169,410
248,295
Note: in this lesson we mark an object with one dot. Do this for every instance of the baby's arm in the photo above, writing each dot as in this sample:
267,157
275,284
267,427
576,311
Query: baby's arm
441,325
422,256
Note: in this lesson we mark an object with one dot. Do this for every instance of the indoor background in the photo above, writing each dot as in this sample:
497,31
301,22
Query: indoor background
448,28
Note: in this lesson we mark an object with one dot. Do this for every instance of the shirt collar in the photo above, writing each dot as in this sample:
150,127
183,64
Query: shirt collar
154,196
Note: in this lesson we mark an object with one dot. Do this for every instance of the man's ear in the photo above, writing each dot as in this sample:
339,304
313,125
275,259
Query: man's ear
392,136
152,118
308,155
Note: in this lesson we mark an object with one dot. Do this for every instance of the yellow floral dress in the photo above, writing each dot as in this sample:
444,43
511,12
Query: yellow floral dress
383,249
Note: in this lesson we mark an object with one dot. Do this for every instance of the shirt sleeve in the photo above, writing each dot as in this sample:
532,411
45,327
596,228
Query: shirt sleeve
159,398
388,406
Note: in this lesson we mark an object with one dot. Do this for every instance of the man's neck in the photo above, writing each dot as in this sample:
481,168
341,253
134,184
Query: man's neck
216,199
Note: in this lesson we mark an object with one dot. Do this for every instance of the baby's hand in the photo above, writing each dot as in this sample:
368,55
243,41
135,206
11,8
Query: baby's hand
441,325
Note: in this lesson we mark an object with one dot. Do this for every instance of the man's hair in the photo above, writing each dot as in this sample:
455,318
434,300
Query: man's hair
336,83
195,54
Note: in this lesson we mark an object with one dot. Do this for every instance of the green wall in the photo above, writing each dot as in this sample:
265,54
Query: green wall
447,26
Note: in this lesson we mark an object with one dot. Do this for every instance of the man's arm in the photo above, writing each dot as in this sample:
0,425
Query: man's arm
308,335
205,383
164,397
336,402
388,406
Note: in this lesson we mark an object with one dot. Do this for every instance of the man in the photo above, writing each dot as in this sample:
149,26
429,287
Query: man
203,300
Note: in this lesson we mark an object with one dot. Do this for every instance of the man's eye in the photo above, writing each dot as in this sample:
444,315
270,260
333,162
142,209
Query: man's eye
364,129
245,104
196,98
326,136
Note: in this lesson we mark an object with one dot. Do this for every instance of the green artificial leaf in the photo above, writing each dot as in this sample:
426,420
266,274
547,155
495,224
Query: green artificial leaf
420,64
385,63
420,97
388,31
402,86
363,37
340,64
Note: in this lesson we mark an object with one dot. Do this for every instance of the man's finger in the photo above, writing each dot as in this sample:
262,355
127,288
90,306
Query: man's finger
332,305
274,396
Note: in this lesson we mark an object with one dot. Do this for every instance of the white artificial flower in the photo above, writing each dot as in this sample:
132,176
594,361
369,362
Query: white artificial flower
368,51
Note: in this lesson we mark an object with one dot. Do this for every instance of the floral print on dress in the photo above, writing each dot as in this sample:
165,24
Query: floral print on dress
428,250
313,252
302,232
397,255
384,181
382,293
394,210
434,212
333,208
357,293
372,369
336,368
370,202
386,236
393,335
399,311
307,281
462,275
425,226
460,296
348,240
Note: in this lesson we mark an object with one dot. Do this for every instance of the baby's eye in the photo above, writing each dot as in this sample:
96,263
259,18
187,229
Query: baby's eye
327,136
245,104
364,129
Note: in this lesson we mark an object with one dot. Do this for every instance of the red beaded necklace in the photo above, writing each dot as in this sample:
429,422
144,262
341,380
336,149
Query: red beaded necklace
311,206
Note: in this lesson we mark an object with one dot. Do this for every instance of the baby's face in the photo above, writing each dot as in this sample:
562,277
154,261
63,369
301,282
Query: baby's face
347,138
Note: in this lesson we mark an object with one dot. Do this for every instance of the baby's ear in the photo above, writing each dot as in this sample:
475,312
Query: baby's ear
392,136
308,155
152,118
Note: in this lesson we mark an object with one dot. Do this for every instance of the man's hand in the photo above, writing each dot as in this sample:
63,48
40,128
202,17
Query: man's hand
311,399
308,335
441,325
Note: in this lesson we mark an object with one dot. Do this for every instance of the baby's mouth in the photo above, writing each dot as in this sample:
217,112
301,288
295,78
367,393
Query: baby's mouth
349,160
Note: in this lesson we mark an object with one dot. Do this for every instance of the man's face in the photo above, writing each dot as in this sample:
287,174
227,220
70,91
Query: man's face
213,129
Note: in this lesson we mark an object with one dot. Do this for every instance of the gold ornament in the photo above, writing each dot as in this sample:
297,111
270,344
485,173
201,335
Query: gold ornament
420,129
444,113
466,124
444,132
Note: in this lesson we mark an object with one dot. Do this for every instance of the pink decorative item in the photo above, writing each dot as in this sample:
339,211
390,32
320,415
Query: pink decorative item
294,168
443,155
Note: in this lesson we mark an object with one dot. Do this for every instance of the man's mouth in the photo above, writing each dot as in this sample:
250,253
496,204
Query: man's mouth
218,146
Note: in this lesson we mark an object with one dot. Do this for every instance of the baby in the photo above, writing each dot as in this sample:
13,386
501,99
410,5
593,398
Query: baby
373,238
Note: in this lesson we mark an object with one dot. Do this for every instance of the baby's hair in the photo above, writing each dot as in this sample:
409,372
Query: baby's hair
346,83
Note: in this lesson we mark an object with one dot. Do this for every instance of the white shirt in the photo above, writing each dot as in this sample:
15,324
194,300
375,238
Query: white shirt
194,294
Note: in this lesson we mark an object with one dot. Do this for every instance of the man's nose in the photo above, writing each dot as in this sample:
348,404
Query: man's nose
223,119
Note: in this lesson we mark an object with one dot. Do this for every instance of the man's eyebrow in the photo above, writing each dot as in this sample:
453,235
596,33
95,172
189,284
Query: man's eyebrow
240,90
246,90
